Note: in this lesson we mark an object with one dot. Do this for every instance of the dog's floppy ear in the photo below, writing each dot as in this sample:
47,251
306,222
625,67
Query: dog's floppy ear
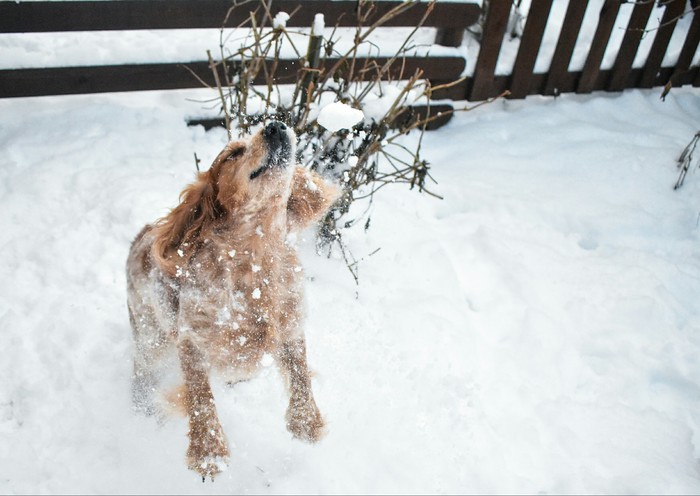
179,230
310,199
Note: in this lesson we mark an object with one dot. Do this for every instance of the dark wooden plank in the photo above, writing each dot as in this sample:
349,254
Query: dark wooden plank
690,46
591,68
482,86
529,47
48,16
629,46
672,11
449,37
566,43
140,77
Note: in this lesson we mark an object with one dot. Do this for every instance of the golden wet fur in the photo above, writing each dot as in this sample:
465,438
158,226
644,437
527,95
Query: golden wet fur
216,286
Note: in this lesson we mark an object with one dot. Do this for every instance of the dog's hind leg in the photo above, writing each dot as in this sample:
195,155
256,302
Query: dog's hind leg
304,420
208,451
144,379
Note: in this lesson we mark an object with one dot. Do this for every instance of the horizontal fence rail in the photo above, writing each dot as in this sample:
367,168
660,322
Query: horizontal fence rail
141,77
35,17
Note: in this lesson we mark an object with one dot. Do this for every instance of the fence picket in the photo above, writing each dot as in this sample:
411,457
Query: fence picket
496,22
672,11
630,45
685,58
558,69
529,48
591,69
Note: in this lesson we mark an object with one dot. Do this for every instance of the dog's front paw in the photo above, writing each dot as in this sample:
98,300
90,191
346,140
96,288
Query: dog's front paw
208,454
209,466
305,422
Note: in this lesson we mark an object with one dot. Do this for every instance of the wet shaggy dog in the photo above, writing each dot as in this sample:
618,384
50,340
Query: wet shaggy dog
215,286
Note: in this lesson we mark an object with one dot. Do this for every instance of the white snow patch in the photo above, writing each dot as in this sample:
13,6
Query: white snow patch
280,20
318,25
266,360
256,294
535,331
337,116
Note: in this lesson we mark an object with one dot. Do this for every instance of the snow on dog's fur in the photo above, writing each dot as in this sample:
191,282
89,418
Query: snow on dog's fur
217,285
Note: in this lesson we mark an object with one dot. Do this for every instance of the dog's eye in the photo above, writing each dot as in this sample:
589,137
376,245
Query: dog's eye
236,153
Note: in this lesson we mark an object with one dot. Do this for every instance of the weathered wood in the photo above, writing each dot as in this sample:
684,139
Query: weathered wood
48,16
672,11
690,46
591,69
529,47
140,77
566,43
630,45
494,29
449,37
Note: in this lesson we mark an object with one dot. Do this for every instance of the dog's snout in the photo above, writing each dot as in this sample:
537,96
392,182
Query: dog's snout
275,128
276,133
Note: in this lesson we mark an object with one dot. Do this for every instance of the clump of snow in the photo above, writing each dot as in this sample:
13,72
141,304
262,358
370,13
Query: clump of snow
280,20
256,294
266,360
337,115
318,26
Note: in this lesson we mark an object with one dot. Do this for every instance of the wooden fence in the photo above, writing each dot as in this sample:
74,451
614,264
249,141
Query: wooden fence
558,79
450,18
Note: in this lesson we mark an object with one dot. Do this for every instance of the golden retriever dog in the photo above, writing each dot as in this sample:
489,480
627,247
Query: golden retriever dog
216,287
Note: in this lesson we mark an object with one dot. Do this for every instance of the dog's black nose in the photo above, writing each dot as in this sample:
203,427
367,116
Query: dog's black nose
276,136
275,128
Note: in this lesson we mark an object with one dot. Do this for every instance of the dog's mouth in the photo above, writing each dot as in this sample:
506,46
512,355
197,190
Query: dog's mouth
279,148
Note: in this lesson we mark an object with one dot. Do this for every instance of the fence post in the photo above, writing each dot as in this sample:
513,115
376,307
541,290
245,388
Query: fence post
529,48
451,37
482,86
692,39
591,69
674,9
570,28
630,46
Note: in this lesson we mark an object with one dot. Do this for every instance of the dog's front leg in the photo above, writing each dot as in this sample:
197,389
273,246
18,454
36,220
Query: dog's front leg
304,420
208,451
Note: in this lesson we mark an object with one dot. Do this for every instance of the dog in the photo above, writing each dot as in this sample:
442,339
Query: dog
216,286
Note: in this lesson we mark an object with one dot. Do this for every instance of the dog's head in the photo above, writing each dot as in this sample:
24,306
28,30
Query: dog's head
251,172
249,176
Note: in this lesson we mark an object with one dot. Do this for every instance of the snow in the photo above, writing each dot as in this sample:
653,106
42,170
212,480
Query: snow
337,115
319,25
280,20
536,331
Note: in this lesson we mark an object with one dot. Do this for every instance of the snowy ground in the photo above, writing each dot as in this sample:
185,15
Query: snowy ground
536,331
